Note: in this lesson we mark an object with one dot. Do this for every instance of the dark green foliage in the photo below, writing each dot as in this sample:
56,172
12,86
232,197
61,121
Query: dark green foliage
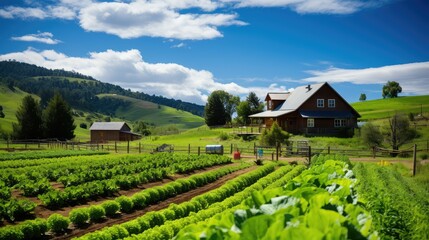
83,125
215,112
362,97
79,216
391,89
96,213
371,135
58,223
1,112
142,128
111,207
274,136
58,120
29,116
11,232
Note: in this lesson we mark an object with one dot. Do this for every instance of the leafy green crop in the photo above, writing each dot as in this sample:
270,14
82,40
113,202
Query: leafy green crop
321,203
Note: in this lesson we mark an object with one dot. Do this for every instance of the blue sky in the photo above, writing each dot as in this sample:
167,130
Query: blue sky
185,49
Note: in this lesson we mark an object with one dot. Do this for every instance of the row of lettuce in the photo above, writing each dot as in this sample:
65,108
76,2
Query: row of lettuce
82,217
99,176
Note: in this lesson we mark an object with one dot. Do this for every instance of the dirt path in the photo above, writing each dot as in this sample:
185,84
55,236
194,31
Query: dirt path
75,232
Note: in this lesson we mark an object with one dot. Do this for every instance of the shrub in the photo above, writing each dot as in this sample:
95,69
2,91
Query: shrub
83,125
58,223
371,135
79,216
223,136
274,135
111,207
125,203
96,213
424,156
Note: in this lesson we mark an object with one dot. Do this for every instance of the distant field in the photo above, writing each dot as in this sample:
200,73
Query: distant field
384,108
157,114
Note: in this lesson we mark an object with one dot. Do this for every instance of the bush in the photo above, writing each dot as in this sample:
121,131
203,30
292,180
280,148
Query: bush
58,223
223,136
125,203
96,213
424,156
83,125
371,135
274,135
79,216
111,207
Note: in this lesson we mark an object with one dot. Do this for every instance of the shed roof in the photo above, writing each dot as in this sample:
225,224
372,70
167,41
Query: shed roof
108,126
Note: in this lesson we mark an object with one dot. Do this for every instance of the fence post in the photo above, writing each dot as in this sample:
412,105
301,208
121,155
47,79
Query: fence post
309,155
198,151
414,159
231,149
116,148
254,148
140,147
277,151
128,146
329,149
373,152
189,149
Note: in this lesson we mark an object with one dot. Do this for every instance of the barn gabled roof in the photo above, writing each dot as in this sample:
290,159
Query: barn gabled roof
108,126
277,96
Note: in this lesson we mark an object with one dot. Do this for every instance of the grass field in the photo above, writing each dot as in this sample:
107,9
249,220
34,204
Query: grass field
157,114
384,108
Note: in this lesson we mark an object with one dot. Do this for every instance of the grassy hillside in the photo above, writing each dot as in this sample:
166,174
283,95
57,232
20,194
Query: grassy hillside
384,108
156,114
10,100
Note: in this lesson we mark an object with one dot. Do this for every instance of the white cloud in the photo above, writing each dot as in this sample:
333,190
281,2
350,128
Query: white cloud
179,45
310,6
413,77
154,19
20,12
128,70
45,37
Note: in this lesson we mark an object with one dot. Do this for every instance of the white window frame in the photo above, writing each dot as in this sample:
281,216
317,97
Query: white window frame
320,103
310,122
339,123
331,103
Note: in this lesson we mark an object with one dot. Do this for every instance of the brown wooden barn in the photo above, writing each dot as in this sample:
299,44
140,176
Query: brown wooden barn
315,109
112,131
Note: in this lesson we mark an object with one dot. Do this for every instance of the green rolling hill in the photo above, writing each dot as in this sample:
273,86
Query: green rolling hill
154,113
384,108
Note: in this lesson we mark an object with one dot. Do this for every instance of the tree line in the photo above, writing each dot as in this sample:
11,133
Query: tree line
55,121
221,107
79,94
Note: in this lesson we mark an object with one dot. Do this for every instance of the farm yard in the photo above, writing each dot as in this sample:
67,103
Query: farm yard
84,194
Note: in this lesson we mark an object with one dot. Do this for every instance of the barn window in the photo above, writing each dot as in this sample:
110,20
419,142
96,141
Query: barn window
310,122
331,103
339,123
270,105
320,103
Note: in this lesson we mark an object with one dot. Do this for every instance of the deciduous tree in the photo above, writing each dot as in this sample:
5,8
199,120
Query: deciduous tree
362,97
371,135
391,89
398,132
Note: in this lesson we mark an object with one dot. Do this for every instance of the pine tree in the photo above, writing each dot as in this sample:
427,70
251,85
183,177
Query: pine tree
29,116
58,120
215,114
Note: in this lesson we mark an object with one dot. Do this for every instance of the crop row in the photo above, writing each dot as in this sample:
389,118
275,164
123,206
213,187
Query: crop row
321,203
46,154
165,223
110,208
400,209
196,204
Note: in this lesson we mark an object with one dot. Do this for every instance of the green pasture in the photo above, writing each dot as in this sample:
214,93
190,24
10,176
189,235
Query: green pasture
384,108
157,114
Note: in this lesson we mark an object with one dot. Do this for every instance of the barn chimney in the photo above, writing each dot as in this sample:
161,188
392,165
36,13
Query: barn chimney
308,87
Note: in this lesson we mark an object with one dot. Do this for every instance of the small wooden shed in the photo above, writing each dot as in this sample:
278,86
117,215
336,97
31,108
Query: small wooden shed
112,131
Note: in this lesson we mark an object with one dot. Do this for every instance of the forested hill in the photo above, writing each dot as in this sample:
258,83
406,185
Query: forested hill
79,90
